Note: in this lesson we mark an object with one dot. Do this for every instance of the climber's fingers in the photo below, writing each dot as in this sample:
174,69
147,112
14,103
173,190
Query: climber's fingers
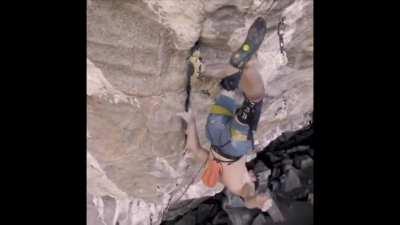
267,205
252,175
186,116
187,151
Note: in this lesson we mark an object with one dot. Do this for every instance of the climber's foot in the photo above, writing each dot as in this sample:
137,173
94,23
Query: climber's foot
255,37
188,116
252,176
260,201
231,82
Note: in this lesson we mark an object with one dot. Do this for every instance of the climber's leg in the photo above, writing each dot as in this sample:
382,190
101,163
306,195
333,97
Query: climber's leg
251,82
235,175
245,53
236,179
253,87
251,77
219,70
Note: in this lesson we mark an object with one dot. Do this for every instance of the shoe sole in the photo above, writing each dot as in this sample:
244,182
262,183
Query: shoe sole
255,36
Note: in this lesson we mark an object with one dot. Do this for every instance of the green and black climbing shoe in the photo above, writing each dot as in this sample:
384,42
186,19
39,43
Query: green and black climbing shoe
231,82
255,37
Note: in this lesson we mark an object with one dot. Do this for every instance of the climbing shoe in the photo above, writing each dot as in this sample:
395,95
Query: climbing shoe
231,82
255,37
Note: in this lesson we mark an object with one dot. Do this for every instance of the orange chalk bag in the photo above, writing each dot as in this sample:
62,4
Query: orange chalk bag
212,173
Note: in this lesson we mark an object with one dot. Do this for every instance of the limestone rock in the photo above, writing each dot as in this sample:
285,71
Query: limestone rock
136,52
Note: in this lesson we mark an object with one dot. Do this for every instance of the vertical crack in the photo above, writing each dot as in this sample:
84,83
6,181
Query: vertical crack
280,30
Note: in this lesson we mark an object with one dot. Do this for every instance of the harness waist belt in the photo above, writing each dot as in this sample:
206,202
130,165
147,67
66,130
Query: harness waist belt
217,150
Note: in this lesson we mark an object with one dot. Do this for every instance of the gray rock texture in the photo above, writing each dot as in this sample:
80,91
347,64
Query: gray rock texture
136,64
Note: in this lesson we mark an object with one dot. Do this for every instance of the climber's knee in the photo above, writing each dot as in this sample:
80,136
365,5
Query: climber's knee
251,84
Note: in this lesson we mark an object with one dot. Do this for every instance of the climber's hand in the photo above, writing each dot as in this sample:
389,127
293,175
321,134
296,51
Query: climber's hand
267,205
252,176
188,117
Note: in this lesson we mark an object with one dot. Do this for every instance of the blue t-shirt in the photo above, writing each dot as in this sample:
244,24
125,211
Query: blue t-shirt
224,130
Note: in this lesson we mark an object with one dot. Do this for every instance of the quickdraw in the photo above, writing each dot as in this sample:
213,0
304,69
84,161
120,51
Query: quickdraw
281,27
196,61
195,68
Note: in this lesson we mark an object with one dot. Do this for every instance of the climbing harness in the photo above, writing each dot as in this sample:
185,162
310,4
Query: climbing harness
219,110
218,151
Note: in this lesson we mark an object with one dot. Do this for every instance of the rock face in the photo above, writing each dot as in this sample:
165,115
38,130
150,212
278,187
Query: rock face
136,52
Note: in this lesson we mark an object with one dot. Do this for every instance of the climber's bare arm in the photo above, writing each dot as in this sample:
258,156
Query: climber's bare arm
192,142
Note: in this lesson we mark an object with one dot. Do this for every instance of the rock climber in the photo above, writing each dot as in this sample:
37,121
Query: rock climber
230,126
